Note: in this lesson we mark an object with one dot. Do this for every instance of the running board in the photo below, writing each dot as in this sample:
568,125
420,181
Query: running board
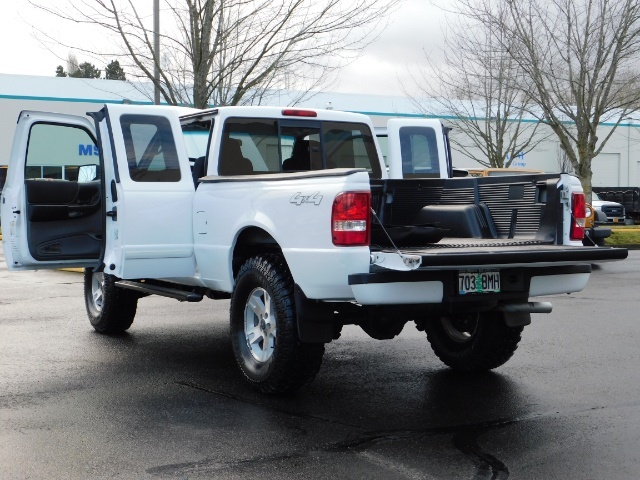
161,291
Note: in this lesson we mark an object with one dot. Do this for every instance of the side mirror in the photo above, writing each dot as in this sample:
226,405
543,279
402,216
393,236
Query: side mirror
88,173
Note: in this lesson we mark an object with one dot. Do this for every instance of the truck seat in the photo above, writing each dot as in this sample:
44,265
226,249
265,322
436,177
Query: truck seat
232,162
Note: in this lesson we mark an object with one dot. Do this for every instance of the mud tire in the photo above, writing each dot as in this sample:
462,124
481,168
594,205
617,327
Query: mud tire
110,309
473,342
264,333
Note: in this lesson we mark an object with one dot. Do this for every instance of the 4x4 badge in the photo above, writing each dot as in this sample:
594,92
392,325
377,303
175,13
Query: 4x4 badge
298,199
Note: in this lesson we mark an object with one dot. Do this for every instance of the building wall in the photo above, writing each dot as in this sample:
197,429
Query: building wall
619,161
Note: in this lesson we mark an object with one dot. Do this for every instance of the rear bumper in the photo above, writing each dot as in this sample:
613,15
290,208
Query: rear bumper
441,287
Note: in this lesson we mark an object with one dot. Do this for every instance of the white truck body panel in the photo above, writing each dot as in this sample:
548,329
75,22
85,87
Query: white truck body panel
554,284
153,235
406,293
302,230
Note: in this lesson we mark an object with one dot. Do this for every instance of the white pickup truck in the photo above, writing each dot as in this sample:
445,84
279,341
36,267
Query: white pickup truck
291,214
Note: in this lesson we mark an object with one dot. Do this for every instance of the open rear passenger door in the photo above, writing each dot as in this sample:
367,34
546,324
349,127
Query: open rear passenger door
118,200
149,193
52,215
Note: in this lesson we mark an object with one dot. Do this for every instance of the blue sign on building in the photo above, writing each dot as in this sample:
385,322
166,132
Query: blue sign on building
88,150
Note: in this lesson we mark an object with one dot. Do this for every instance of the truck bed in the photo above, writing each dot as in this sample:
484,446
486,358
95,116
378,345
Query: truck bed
499,211
476,222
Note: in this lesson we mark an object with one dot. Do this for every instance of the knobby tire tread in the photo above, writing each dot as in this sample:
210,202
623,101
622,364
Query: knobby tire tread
295,363
492,345
118,307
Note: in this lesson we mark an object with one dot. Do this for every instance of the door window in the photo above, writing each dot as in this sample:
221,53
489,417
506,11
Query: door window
55,151
151,149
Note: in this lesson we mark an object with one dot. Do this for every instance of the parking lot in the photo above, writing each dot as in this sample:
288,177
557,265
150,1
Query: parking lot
165,400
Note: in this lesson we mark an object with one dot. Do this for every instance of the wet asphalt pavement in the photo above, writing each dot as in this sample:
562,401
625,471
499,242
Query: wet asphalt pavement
166,400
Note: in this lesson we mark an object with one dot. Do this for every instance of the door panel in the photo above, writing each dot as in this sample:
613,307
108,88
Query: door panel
64,219
51,218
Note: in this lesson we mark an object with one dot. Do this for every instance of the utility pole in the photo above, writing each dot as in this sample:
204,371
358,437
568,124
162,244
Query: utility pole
156,51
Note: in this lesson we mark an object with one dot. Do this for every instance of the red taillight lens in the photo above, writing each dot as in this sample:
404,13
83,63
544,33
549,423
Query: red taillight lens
351,219
296,112
577,216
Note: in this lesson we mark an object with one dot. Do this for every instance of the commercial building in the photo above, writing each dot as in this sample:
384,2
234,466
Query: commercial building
617,165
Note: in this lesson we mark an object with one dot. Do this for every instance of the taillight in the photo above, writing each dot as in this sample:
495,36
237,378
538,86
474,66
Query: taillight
577,216
351,219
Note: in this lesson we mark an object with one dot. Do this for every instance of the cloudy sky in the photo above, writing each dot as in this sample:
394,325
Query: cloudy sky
382,69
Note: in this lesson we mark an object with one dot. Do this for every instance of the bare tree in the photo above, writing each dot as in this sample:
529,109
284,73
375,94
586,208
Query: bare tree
564,164
72,63
478,83
581,57
230,52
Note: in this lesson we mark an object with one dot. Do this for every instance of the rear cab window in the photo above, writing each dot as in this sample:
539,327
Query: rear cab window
253,146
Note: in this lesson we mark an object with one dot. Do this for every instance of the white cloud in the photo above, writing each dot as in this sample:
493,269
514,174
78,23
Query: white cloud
382,67
414,31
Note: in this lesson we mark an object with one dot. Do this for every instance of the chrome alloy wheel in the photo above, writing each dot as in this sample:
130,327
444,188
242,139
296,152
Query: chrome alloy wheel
97,289
260,325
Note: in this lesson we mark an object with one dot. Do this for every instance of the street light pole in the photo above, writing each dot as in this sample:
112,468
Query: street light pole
156,52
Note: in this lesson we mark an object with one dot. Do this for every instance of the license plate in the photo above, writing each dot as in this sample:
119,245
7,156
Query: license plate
478,282
615,220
